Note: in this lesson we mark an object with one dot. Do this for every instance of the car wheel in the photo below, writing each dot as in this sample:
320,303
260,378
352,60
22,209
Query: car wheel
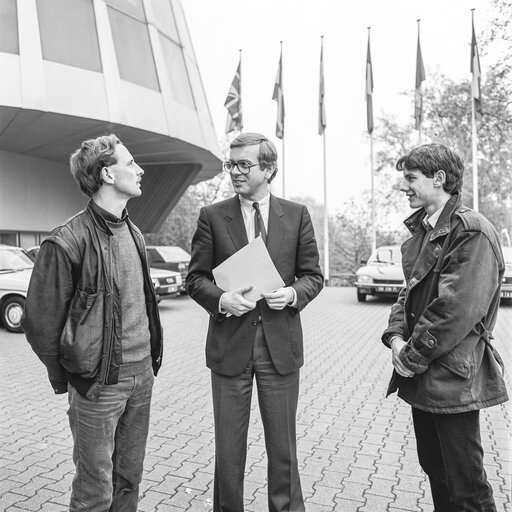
12,311
361,297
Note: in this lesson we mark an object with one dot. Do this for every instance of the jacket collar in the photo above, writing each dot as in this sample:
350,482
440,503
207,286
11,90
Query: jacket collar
100,216
236,226
414,223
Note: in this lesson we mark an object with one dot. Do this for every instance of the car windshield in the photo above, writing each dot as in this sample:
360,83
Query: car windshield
385,256
14,259
173,254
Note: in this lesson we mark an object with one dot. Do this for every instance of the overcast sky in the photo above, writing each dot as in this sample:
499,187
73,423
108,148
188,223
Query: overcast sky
220,28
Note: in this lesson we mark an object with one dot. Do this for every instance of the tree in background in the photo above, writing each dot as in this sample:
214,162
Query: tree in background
180,225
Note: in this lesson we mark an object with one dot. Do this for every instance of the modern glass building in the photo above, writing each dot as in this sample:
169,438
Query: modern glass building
74,69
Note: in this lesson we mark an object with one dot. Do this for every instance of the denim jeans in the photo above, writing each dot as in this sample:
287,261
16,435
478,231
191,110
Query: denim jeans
450,452
109,445
277,397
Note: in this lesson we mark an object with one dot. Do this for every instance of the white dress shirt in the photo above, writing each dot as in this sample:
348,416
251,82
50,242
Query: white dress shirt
248,215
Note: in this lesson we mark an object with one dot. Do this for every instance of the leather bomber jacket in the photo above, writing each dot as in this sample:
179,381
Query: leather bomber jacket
72,308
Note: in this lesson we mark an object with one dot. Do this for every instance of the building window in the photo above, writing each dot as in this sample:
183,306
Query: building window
68,33
9,27
133,8
9,238
177,71
133,50
164,19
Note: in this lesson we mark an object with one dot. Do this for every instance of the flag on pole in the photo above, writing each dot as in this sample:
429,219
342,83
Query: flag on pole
369,88
475,70
278,96
322,123
233,101
420,77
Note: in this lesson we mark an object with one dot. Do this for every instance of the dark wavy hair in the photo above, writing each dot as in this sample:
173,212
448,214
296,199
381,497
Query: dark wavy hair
430,158
88,160
267,156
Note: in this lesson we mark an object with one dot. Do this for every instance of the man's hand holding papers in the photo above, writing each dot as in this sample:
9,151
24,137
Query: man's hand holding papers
234,303
250,272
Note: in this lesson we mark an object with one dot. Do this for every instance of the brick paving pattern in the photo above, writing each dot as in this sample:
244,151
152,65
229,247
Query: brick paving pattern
356,448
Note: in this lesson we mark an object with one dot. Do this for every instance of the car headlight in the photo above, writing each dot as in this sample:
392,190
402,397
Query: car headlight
155,282
364,279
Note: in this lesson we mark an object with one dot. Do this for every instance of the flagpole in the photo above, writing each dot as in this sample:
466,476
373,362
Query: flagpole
474,138
326,221
369,114
474,143
282,139
240,107
374,231
326,214
421,120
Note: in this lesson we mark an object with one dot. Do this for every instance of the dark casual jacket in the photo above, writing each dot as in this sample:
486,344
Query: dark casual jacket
72,309
447,313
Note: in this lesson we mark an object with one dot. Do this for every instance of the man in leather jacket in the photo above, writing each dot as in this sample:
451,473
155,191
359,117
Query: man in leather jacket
440,328
91,317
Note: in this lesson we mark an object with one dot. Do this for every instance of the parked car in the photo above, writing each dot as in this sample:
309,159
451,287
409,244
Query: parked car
382,274
15,271
169,257
167,283
506,284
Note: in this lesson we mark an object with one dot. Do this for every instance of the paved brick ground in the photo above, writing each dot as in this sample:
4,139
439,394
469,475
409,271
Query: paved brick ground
356,449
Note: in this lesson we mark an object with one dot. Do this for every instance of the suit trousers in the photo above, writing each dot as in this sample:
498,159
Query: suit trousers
277,397
450,452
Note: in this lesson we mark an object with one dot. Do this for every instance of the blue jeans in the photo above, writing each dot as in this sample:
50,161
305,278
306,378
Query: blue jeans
109,445
450,452
277,397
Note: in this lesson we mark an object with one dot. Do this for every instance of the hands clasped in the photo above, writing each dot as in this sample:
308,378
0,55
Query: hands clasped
397,343
236,304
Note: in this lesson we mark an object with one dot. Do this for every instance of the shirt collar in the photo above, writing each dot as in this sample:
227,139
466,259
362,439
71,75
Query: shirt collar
248,204
432,220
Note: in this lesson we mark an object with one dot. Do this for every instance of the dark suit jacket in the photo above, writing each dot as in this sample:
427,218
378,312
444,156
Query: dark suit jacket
292,246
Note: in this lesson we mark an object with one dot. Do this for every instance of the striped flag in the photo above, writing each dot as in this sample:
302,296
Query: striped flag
279,98
233,102
418,95
322,122
369,88
475,70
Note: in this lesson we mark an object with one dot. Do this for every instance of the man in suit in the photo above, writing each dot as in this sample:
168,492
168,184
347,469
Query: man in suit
260,339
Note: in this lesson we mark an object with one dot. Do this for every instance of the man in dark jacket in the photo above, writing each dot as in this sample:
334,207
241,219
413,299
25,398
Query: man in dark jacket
250,340
439,330
92,319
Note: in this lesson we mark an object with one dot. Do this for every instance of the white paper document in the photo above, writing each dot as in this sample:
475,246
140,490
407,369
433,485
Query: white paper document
250,266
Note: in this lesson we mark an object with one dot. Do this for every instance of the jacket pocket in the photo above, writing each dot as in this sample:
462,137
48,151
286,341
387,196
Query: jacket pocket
82,337
456,364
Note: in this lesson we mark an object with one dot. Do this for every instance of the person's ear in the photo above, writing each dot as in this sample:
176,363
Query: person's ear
440,177
106,175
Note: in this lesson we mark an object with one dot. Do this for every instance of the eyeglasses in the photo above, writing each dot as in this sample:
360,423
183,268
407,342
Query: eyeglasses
243,166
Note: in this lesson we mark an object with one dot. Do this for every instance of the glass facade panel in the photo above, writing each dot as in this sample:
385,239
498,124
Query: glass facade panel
181,23
131,7
197,89
9,27
177,72
164,18
68,33
133,50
